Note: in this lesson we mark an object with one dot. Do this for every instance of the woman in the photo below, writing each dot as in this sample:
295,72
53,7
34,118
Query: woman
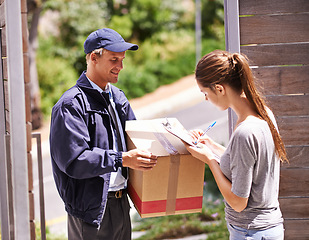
248,173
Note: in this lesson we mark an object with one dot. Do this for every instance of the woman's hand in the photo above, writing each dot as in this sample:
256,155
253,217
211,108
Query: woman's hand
197,137
201,152
215,147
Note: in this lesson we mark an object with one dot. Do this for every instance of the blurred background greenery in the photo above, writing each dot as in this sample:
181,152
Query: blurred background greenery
164,31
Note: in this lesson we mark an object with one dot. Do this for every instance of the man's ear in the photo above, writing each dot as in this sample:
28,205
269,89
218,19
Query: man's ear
220,89
93,57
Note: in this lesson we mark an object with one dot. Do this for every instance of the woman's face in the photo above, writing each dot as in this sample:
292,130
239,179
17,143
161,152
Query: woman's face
216,97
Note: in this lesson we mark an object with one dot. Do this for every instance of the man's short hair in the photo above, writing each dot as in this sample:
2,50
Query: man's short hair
99,52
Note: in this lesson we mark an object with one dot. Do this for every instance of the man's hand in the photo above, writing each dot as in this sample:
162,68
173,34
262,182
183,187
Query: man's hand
139,159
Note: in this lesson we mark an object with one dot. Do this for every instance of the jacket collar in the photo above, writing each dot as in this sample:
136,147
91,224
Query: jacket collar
84,84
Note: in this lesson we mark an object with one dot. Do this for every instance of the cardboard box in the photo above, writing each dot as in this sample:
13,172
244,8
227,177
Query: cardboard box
175,184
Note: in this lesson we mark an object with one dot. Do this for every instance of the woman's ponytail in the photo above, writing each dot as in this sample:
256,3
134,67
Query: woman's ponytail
256,100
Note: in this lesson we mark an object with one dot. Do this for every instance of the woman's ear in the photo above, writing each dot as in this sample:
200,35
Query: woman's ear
220,89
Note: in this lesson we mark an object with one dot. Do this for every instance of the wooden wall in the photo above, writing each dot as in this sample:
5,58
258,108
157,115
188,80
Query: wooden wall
274,34
7,107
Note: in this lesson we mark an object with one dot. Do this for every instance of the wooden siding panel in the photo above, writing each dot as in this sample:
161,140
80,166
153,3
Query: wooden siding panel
6,95
7,122
296,229
274,29
289,105
28,102
278,32
294,182
23,6
282,80
294,130
277,54
31,202
294,207
5,68
298,157
3,38
26,68
29,136
2,15
24,26
249,7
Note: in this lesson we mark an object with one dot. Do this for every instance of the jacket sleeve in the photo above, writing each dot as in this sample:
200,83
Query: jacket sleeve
130,113
69,145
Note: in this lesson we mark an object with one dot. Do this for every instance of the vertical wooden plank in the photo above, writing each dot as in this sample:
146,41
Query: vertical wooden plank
28,114
5,221
3,42
2,15
10,187
28,103
17,119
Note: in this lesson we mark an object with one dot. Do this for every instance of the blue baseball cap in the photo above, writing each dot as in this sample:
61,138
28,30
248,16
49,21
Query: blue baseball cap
108,39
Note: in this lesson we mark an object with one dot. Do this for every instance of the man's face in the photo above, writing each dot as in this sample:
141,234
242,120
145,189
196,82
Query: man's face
108,66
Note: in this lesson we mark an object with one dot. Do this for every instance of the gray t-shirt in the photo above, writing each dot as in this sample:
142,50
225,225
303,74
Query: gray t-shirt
252,166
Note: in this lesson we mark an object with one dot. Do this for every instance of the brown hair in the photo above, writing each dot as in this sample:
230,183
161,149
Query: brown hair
221,67
99,52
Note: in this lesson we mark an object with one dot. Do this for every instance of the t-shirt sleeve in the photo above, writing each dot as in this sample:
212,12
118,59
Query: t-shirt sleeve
242,161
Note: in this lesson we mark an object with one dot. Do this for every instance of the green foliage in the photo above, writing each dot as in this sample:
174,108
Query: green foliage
76,20
136,20
212,17
164,31
161,61
153,16
123,24
49,235
55,74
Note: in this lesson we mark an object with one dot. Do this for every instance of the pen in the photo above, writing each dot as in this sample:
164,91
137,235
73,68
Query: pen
209,127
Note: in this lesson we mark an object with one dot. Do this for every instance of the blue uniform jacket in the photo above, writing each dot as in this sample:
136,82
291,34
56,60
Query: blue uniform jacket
81,146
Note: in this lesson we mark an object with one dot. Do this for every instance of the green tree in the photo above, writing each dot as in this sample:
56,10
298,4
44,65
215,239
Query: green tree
145,17
34,10
164,30
212,18
76,20
136,20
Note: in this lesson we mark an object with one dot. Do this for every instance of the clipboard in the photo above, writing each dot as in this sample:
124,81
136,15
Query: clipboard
181,133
